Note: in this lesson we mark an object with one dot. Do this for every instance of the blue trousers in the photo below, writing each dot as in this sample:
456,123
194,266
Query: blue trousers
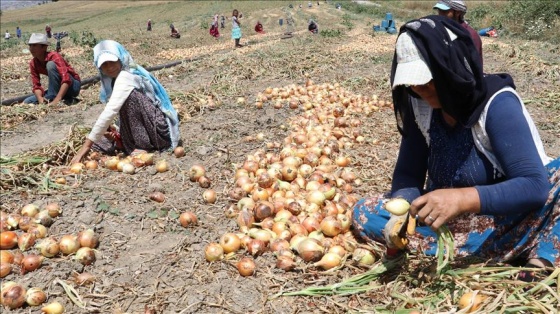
55,80
529,235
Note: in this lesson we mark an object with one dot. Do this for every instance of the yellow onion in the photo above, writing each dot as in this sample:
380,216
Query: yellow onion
30,210
157,197
209,196
337,249
6,256
187,218
328,261
363,257
8,240
310,250
35,296
77,168
397,206
471,301
112,163
85,255
31,262
128,168
48,247
162,166
230,242
204,182
91,164
262,210
147,158
179,151
53,209
330,226
245,219
285,263
69,244
25,241
53,308
213,252
246,266
13,220
196,171
5,269
256,247
12,295
88,238
43,218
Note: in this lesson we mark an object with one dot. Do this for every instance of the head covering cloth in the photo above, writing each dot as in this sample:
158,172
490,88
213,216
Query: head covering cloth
150,85
461,86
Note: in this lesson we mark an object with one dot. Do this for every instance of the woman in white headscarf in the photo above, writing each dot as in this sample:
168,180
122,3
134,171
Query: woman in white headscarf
145,117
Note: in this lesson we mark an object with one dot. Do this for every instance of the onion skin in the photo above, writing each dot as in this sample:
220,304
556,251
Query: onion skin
5,269
230,242
397,206
6,257
157,197
246,266
310,250
187,219
86,256
83,278
209,196
69,244
285,263
35,296
8,240
31,262
13,296
179,151
25,241
469,297
214,252
53,308
88,238
48,247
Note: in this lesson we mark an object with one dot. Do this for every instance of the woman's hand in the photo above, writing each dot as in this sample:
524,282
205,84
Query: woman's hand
440,206
82,152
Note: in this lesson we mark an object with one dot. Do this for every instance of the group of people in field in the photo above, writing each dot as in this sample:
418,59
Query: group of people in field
470,155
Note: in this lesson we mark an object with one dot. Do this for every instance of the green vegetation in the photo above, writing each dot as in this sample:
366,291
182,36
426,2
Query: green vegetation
330,33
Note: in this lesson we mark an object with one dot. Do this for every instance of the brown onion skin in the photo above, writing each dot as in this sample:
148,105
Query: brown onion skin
14,296
246,267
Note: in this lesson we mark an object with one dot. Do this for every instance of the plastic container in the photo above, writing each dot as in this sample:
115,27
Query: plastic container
392,24
389,16
281,22
384,24
376,28
392,30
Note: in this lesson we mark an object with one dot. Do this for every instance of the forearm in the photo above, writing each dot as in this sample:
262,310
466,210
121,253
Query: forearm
63,89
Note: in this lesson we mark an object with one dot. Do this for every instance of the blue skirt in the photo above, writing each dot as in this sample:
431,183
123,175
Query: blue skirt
236,33
497,238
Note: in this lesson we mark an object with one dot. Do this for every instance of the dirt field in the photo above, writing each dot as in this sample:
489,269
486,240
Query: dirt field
148,263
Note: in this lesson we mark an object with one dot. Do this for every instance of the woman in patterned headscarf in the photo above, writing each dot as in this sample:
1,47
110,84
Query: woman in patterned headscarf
470,157
146,119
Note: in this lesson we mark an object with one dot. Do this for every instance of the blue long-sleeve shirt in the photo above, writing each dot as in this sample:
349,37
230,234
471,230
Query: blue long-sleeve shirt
453,161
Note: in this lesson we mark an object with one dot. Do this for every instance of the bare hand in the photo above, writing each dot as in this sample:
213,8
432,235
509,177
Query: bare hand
438,207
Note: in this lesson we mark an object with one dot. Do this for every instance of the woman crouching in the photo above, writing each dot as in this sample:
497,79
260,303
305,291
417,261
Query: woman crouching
146,119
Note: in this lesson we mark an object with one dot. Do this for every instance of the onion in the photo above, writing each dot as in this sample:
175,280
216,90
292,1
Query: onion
230,242
147,158
13,295
310,250
316,197
13,220
88,238
85,255
262,234
263,210
30,210
285,263
209,196
48,247
31,262
245,219
279,244
337,249
53,308
363,257
328,261
179,151
6,257
8,240
204,182
77,168
5,269
157,197
35,296
260,194
265,180
91,165
330,226
112,163
43,218
128,168
471,301
231,211
26,222
38,230
188,218
69,244
213,252
60,180
246,266
53,209
162,166
397,206
311,223
25,241
256,247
